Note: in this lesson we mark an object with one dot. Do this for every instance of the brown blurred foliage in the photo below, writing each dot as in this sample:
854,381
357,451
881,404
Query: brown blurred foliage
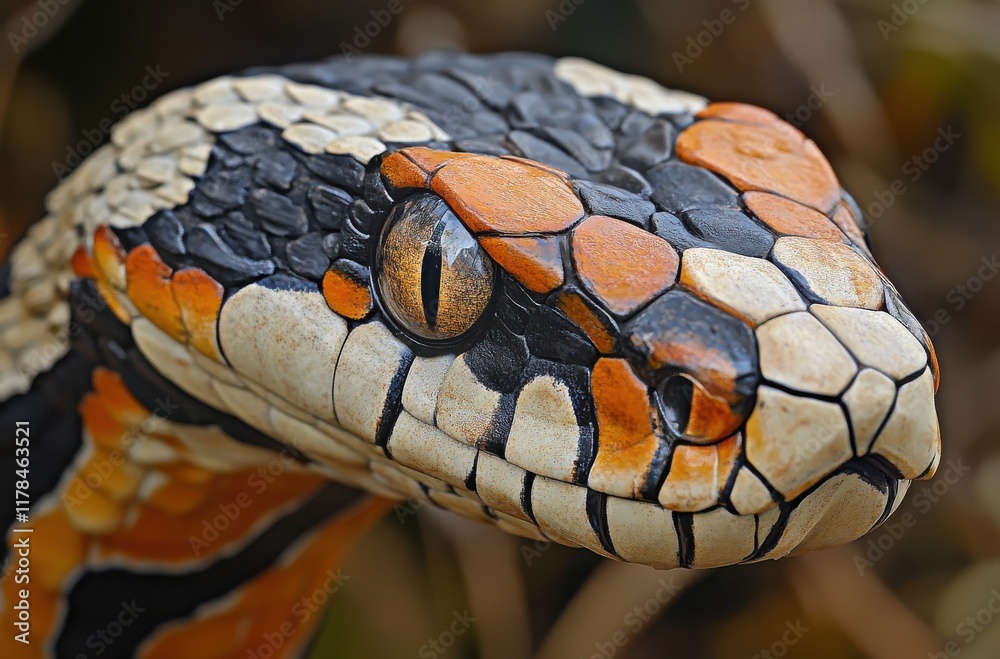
873,82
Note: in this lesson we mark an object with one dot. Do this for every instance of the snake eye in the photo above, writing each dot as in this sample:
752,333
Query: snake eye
433,277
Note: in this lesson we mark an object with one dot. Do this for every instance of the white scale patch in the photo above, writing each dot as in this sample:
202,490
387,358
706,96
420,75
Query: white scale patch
288,341
545,435
794,441
721,538
592,79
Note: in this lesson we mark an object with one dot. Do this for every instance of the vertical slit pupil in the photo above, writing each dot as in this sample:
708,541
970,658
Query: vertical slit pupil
430,276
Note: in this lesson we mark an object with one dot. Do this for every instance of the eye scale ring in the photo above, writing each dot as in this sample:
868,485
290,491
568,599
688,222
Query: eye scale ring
433,278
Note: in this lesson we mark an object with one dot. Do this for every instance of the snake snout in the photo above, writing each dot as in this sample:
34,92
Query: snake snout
840,383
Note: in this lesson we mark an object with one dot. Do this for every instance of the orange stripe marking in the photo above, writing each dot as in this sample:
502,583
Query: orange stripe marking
271,606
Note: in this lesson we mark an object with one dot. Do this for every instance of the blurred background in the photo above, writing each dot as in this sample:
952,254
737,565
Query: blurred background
904,98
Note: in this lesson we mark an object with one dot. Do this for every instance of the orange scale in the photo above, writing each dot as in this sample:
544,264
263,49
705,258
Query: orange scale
535,262
116,306
402,172
161,536
711,417
626,424
149,289
118,478
772,157
58,549
430,160
116,398
347,291
622,265
199,298
177,497
108,257
91,510
791,218
81,263
508,197
187,472
594,324
538,165
699,474
739,112
212,638
933,359
106,431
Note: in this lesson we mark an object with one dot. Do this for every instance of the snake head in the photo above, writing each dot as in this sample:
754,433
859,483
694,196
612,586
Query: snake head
737,360
696,366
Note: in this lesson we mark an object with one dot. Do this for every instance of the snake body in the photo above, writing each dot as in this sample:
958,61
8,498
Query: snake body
538,293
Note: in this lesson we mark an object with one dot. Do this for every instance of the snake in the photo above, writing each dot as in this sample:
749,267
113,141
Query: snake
539,293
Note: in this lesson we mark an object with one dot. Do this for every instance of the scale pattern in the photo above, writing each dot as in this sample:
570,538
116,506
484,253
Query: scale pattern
690,357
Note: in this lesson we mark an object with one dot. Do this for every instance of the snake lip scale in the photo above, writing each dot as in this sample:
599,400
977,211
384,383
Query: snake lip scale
590,310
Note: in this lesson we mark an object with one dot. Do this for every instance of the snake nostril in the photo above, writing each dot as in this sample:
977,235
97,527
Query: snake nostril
693,414
675,395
